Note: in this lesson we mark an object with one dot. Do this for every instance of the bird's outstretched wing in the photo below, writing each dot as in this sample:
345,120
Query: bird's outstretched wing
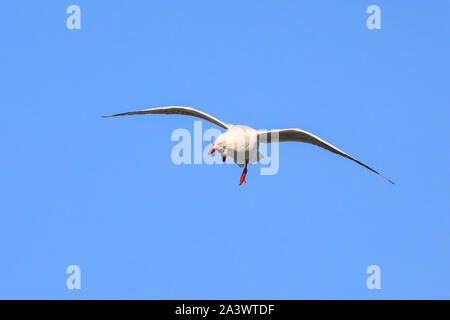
176,110
304,136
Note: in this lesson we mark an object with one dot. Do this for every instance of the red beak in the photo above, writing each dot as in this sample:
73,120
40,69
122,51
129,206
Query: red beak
211,151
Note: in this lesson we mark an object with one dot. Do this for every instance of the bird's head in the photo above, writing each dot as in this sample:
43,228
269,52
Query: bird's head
220,146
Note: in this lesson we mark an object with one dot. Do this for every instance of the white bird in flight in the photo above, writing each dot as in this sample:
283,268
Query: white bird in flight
241,142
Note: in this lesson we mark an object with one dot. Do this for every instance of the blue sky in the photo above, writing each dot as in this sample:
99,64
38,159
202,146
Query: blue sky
104,194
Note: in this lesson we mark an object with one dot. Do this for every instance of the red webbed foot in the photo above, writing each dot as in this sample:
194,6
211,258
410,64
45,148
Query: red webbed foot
244,173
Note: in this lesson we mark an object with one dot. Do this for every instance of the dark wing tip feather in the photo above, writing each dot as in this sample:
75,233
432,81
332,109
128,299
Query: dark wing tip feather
122,114
389,180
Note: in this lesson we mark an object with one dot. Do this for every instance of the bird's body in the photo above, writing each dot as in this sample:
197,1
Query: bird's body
241,142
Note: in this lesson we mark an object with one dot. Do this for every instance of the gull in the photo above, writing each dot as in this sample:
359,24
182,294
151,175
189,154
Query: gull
241,142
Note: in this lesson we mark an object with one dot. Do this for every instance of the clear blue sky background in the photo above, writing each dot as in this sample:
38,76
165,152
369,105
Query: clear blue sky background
103,193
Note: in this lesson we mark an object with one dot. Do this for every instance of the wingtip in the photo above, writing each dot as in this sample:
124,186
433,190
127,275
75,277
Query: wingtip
389,180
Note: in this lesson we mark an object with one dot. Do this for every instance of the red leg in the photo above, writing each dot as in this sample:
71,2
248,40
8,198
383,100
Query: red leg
244,173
